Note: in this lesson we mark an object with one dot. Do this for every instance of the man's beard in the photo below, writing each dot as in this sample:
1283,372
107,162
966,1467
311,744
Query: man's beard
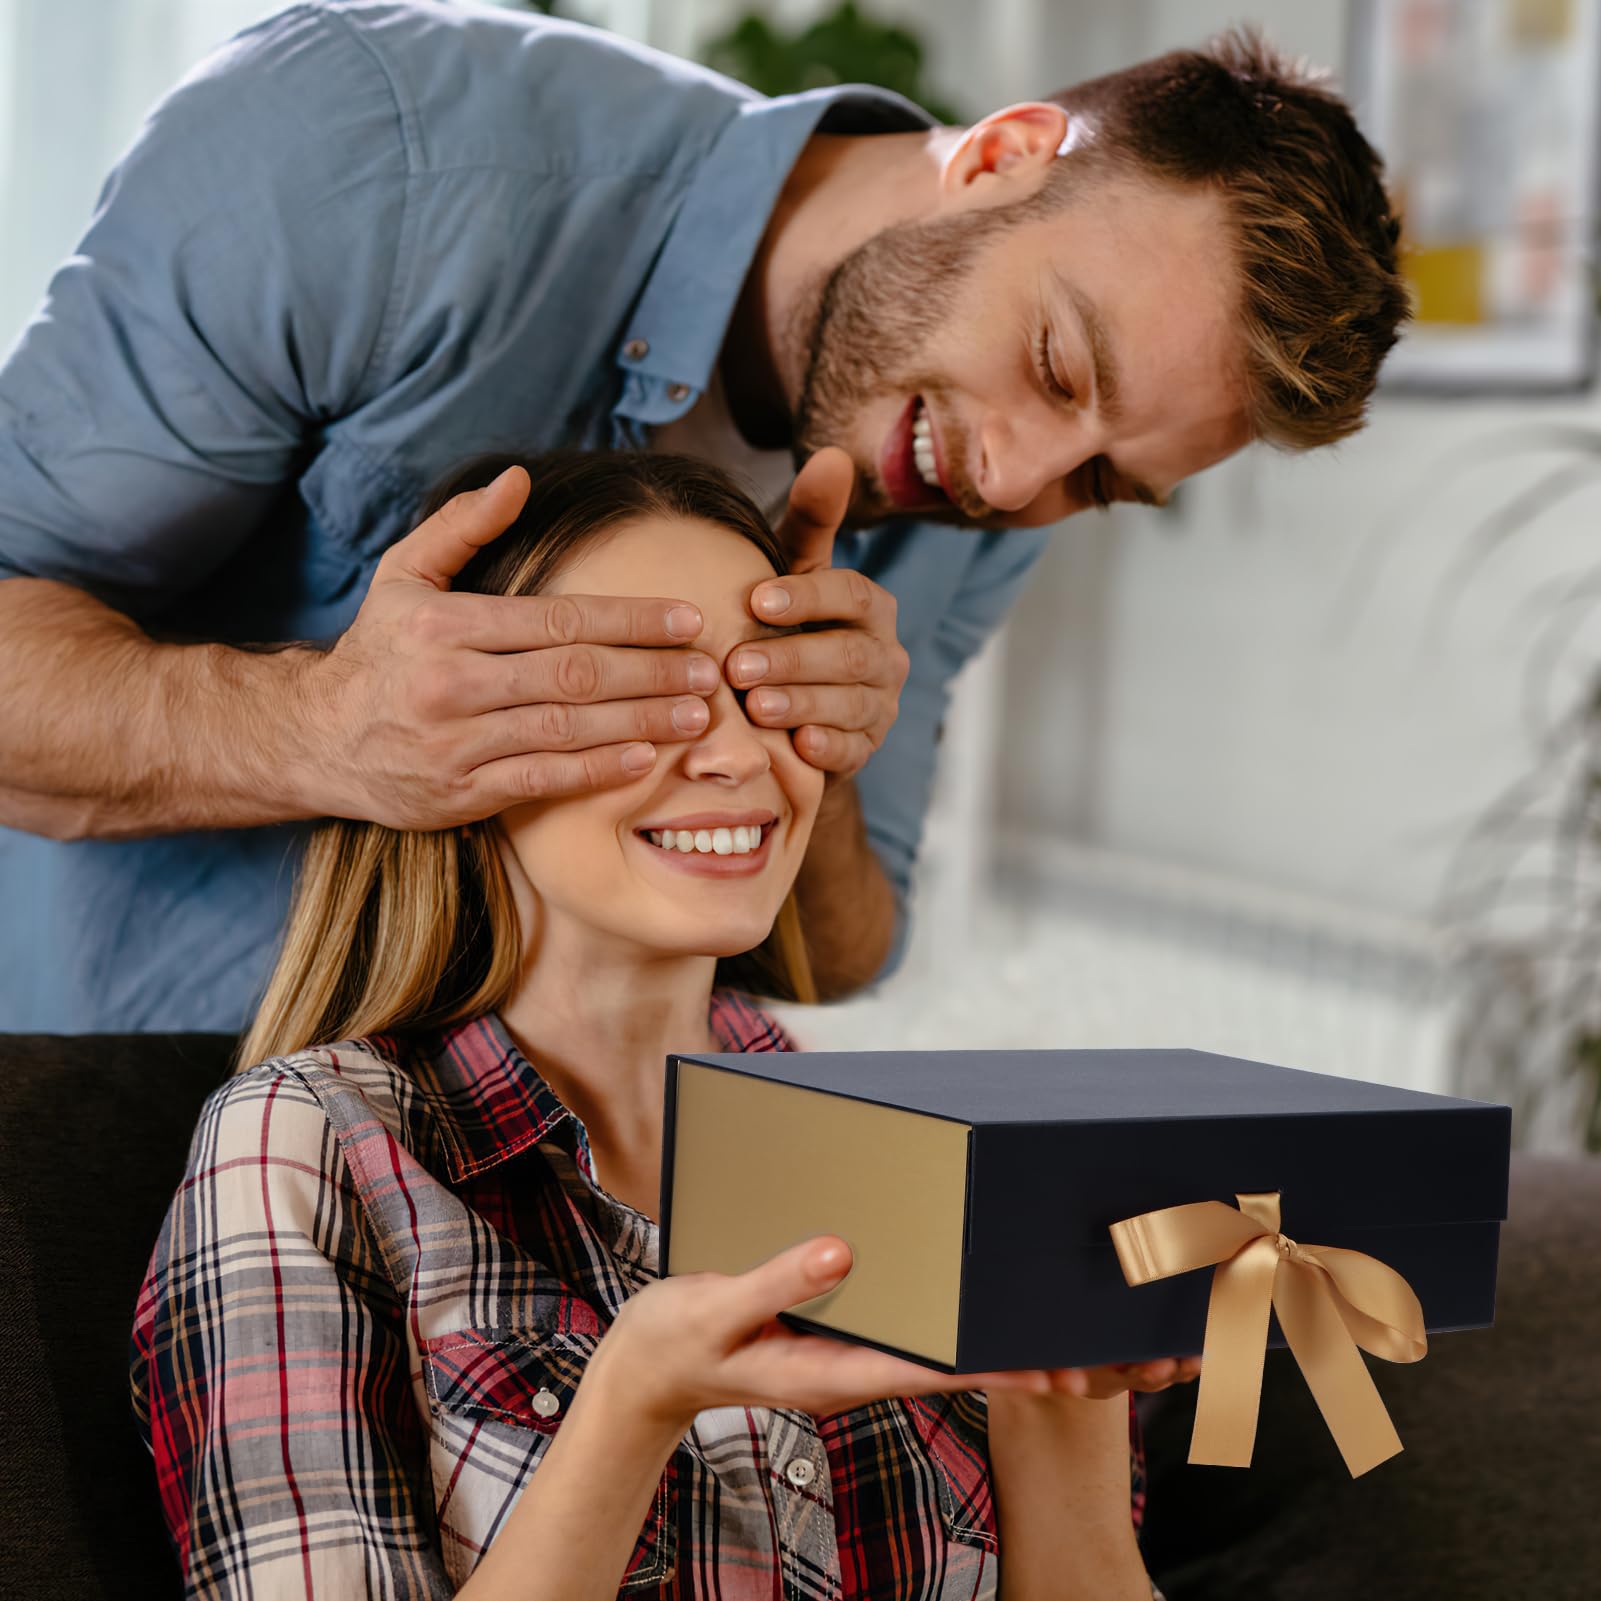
877,320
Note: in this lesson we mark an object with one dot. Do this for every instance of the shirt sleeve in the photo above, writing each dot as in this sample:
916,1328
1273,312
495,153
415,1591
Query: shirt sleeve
896,784
227,300
270,1371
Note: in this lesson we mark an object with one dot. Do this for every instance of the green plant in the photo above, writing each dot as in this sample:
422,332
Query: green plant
846,46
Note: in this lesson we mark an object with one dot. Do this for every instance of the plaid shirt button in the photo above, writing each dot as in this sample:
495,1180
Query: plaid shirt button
545,1404
800,1472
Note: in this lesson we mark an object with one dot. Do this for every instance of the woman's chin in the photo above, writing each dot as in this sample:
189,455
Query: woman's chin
721,941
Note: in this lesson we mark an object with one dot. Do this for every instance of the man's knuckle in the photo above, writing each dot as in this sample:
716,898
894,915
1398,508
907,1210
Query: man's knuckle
438,752
428,692
556,724
534,780
432,620
577,673
596,769
859,591
858,655
666,673
564,619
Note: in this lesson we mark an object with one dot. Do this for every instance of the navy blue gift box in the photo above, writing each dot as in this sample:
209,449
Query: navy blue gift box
978,1188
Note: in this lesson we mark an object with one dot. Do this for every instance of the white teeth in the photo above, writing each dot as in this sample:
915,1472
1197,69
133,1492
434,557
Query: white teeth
738,841
923,449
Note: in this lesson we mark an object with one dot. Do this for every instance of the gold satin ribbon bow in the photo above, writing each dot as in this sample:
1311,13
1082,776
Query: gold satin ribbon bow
1329,1302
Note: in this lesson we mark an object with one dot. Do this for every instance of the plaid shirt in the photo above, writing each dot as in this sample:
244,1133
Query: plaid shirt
369,1309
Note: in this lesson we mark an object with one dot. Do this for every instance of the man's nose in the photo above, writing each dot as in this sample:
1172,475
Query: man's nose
730,750
1023,460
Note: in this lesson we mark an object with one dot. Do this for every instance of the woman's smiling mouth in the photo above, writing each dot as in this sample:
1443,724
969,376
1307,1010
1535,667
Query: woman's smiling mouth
718,845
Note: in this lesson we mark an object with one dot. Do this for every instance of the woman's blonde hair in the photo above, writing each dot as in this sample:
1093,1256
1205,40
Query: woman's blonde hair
396,929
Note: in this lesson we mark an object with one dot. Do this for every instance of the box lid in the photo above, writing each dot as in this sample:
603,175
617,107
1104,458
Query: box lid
1139,1129
1074,1085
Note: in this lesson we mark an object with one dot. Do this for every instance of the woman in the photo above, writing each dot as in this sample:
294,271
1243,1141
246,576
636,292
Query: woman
402,1333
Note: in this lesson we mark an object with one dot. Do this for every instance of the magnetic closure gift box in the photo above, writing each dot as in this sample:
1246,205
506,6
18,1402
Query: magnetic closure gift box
977,1188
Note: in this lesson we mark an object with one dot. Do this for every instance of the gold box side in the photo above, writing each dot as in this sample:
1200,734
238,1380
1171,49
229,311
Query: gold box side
758,1166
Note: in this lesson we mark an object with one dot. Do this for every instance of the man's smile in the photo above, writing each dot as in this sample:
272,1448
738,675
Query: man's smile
899,467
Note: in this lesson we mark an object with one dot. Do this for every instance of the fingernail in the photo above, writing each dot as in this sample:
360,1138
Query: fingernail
703,674
771,702
683,622
771,602
1077,1383
750,665
690,715
829,1260
639,758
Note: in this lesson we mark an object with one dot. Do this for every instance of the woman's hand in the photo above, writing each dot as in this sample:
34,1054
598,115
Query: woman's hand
700,1340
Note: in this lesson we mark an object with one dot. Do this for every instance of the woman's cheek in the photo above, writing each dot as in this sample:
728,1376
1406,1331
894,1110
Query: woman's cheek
807,795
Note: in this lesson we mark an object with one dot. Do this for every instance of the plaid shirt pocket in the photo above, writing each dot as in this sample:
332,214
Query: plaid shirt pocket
953,1431
498,1379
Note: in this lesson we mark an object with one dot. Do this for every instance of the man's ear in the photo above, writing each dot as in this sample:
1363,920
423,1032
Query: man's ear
1013,145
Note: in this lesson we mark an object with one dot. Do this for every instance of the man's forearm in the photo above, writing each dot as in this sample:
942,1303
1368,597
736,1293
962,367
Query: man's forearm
847,904
106,733
1060,1469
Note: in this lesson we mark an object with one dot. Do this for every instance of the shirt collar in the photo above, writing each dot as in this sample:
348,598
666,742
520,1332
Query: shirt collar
490,1102
678,323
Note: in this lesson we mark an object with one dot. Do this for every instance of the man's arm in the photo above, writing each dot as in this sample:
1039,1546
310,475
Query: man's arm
111,735
952,597
218,309
422,715
847,903
868,698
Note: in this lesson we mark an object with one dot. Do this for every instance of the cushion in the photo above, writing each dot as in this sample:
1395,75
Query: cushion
94,1135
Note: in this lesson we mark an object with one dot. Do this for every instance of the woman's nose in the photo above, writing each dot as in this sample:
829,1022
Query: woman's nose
730,750
1022,459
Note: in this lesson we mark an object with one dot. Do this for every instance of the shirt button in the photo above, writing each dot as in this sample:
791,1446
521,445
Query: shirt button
546,1404
637,349
800,1473
677,391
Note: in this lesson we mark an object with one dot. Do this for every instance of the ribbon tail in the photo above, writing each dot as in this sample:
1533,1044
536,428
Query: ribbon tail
1230,1392
1346,1395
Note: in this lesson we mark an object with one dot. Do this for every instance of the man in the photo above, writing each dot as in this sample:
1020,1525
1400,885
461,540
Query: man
365,240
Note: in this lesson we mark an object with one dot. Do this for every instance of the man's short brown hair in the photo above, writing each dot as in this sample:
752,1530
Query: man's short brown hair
1315,232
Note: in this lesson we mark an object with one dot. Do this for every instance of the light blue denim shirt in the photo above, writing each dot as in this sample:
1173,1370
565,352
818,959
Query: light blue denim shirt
358,243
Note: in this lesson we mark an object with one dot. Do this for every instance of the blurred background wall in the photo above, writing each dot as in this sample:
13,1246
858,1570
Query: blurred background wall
1223,781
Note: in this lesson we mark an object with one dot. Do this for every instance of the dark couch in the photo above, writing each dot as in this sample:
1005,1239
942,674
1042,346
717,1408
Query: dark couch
1494,1496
